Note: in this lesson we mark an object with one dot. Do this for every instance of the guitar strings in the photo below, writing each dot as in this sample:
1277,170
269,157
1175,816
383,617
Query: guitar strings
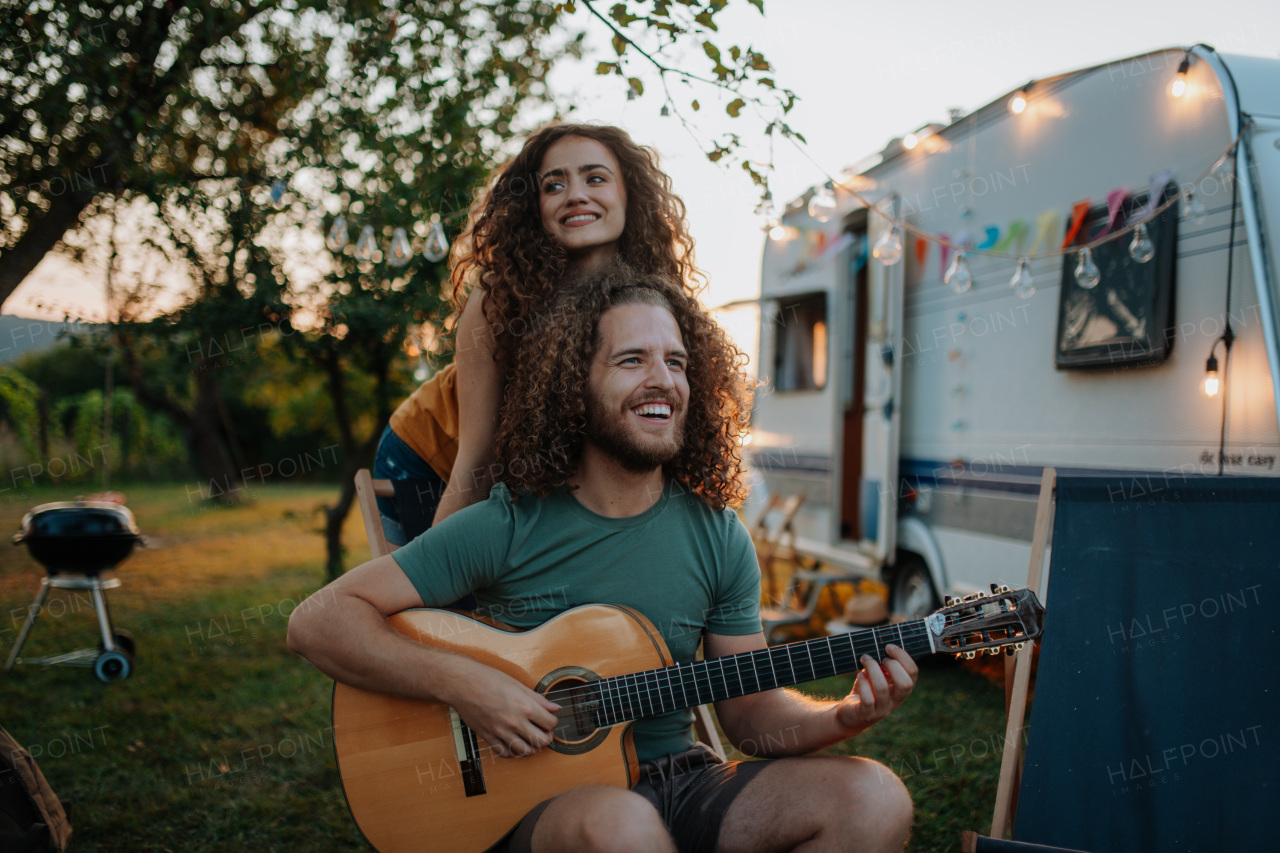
623,697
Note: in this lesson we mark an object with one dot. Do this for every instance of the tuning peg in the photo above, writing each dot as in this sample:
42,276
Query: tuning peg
946,601
970,655
993,651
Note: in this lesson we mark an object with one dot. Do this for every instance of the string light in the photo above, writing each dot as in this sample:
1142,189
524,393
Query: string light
1141,249
822,206
437,247
1193,210
888,249
1023,283
337,237
1211,375
400,251
1178,87
958,277
1018,101
366,246
1087,272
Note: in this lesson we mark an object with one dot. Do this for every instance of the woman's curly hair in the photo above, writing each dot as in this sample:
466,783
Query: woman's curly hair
505,248
543,422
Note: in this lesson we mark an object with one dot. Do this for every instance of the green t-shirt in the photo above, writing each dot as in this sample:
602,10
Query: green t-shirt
683,565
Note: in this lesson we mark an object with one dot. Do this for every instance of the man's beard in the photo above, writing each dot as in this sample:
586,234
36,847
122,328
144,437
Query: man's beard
608,431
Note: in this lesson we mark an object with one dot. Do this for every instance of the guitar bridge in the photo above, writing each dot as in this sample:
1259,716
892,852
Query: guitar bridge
467,749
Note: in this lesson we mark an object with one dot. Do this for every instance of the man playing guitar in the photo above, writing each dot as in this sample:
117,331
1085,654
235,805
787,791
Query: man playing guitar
618,444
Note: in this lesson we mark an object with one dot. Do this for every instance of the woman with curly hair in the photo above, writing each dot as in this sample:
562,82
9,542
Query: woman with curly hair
576,197
547,416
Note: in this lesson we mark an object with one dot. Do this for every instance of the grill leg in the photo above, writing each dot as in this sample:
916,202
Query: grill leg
104,616
32,612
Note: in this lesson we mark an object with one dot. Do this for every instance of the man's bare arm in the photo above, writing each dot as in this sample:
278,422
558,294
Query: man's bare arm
343,631
783,722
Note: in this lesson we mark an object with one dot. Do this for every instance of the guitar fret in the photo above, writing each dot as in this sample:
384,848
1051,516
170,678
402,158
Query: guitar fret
633,696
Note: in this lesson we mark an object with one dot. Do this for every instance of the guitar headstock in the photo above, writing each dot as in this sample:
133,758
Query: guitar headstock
1004,618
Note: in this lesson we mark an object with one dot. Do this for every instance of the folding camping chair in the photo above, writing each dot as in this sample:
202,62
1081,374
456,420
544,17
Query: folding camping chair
775,540
368,490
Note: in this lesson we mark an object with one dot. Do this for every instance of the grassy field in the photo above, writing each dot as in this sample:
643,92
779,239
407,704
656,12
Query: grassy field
221,738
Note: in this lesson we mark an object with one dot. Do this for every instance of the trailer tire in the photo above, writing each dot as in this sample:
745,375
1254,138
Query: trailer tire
911,591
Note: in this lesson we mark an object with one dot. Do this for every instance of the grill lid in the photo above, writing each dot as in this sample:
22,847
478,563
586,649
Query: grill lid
79,520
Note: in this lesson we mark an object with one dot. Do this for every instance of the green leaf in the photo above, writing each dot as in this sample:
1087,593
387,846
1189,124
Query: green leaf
712,51
619,44
608,68
636,85
759,4
735,107
696,106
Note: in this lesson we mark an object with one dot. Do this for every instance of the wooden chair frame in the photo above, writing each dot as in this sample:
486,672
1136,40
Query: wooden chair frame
1017,669
368,490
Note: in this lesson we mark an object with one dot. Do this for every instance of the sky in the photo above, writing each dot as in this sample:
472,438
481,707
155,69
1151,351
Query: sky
864,72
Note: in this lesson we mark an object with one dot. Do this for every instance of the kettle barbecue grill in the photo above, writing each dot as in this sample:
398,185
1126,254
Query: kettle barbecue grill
76,541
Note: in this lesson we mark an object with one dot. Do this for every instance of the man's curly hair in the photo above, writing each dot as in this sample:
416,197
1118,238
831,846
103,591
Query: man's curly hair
505,248
543,422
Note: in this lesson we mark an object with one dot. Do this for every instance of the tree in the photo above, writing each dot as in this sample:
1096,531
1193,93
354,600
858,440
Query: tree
254,128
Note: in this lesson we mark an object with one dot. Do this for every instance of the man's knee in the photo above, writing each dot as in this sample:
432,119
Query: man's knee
885,807
603,820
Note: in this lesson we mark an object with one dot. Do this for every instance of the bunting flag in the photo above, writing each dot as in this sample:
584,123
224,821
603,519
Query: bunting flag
1159,181
1078,212
1045,223
1115,205
1010,239
1014,238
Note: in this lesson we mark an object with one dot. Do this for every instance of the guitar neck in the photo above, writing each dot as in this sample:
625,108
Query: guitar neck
624,698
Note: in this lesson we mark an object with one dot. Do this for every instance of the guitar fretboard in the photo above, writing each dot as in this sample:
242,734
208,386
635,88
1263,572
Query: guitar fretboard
624,698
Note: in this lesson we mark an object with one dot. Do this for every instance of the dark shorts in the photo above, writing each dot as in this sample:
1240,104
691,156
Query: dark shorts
396,460
692,791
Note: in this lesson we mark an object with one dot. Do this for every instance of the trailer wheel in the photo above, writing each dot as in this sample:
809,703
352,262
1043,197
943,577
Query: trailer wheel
911,593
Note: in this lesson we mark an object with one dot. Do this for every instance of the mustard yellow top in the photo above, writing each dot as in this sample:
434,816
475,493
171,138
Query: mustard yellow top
427,421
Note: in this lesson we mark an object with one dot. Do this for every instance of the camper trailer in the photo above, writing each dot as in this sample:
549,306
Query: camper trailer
933,333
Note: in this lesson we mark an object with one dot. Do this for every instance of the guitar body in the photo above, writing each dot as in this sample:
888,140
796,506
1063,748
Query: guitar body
399,758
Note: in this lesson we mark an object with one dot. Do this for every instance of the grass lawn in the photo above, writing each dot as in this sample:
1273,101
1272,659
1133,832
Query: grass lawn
221,738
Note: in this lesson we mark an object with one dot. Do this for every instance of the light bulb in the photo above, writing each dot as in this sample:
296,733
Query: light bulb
337,237
366,246
1087,273
777,231
1178,87
1141,249
400,252
910,141
823,203
1193,210
888,249
1022,282
1224,169
1211,376
437,243
958,277
1018,103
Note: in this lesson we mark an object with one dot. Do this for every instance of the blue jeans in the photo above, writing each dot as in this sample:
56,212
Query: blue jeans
396,460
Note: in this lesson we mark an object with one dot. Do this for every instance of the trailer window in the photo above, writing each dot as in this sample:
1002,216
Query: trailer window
1126,318
800,348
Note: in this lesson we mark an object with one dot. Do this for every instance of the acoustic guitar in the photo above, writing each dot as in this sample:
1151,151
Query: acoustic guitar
417,778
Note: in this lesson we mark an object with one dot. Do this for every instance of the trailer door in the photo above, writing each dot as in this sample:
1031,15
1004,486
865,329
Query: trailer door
870,389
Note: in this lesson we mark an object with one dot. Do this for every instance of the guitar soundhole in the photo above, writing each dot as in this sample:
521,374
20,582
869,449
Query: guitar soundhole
572,689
